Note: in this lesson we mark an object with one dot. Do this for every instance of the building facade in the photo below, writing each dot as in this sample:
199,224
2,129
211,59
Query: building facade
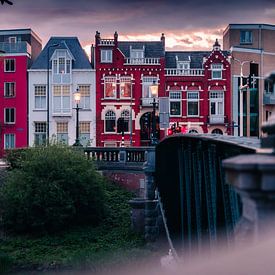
51,94
253,54
198,87
125,71
18,49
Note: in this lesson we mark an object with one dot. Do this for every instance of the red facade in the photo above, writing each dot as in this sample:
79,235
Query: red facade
18,48
13,125
196,83
115,77
205,87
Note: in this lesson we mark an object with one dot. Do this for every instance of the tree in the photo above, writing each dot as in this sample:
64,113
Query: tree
51,188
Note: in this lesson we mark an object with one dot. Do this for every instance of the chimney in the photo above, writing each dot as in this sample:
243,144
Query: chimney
97,38
162,39
115,38
93,56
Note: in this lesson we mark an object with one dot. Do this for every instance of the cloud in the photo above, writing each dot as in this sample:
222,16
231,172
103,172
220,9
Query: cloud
187,24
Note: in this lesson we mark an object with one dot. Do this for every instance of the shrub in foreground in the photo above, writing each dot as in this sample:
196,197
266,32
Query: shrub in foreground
52,188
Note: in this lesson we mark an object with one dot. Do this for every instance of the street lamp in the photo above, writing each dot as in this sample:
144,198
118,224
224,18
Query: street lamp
241,92
48,90
77,97
154,93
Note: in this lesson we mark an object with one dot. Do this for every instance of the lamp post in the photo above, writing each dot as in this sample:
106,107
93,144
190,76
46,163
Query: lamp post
241,87
77,97
154,93
48,90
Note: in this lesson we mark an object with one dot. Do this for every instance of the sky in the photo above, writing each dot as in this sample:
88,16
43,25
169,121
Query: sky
187,24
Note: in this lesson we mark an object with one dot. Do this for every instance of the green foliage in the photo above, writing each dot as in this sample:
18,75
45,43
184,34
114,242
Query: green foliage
5,262
50,188
108,244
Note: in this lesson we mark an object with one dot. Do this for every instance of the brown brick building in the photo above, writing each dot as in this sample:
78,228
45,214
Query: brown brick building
253,53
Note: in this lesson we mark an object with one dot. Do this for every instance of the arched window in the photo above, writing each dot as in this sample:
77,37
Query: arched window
126,115
110,121
193,131
217,131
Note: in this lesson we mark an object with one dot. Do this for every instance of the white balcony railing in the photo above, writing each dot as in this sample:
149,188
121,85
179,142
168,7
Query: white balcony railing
107,42
216,119
142,61
184,72
148,101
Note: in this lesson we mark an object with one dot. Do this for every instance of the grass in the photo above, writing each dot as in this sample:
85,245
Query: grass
80,247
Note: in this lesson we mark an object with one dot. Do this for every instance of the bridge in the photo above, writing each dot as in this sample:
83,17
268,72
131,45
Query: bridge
199,188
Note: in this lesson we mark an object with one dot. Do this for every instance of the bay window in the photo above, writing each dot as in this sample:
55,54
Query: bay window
61,99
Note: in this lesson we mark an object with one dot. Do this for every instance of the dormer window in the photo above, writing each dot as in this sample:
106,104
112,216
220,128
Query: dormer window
183,65
12,39
59,66
137,53
62,63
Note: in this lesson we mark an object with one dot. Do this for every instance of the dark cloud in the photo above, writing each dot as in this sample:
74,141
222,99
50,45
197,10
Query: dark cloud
133,17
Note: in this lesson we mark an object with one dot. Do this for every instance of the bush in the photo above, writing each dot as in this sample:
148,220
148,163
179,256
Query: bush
5,262
51,188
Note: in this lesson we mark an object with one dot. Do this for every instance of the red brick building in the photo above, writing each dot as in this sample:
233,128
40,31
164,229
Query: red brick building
124,73
18,48
198,87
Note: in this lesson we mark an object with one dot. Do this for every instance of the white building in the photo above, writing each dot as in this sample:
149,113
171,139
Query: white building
69,70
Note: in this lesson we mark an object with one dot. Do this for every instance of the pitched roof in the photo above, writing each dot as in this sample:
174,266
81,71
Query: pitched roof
196,58
152,48
80,59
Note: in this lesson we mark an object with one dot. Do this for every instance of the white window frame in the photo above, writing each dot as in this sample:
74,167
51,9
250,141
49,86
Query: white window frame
147,81
5,64
40,134
106,56
5,89
113,80
12,122
128,80
40,96
175,96
85,132
193,100
61,134
113,118
126,118
137,54
62,112
183,65
58,61
85,99
216,67
216,97
12,39
8,136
